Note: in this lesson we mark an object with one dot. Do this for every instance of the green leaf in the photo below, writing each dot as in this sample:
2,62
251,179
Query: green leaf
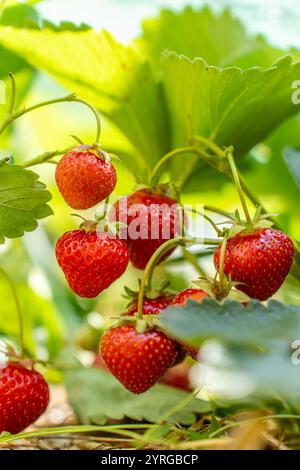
292,159
22,201
225,104
20,15
115,78
219,38
256,326
97,396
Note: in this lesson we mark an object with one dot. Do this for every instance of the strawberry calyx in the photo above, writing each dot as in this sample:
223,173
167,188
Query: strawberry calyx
96,150
147,322
149,294
259,221
221,291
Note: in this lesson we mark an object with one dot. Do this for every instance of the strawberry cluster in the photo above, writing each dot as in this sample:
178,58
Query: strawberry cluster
255,260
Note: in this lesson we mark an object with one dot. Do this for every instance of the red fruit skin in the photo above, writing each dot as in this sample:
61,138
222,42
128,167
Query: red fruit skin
181,299
154,307
140,208
151,306
194,294
261,260
84,179
178,377
91,261
137,360
24,396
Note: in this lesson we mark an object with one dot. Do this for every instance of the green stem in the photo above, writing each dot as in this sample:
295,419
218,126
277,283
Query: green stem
96,114
13,94
208,143
206,217
236,178
159,253
113,429
18,308
222,262
216,210
9,119
46,156
69,98
165,158
104,212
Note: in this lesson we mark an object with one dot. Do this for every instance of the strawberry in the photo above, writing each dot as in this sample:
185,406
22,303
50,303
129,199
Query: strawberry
178,377
151,219
154,307
260,259
137,360
85,177
194,294
91,261
24,396
181,299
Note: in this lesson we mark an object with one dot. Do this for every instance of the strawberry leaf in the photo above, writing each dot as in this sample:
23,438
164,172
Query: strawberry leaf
219,100
254,326
97,396
221,39
22,201
115,78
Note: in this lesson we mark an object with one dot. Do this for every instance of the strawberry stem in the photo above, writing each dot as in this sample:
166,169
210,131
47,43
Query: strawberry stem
206,217
96,114
237,181
157,169
104,211
216,210
13,94
156,257
222,262
18,308
12,116
46,156
208,143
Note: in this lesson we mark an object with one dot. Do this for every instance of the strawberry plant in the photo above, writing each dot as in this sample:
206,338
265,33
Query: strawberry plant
203,128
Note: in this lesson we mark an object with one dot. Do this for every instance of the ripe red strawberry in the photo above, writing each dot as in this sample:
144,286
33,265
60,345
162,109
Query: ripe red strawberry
24,396
194,294
137,360
151,220
91,261
260,260
151,306
85,177
181,299
154,307
178,377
